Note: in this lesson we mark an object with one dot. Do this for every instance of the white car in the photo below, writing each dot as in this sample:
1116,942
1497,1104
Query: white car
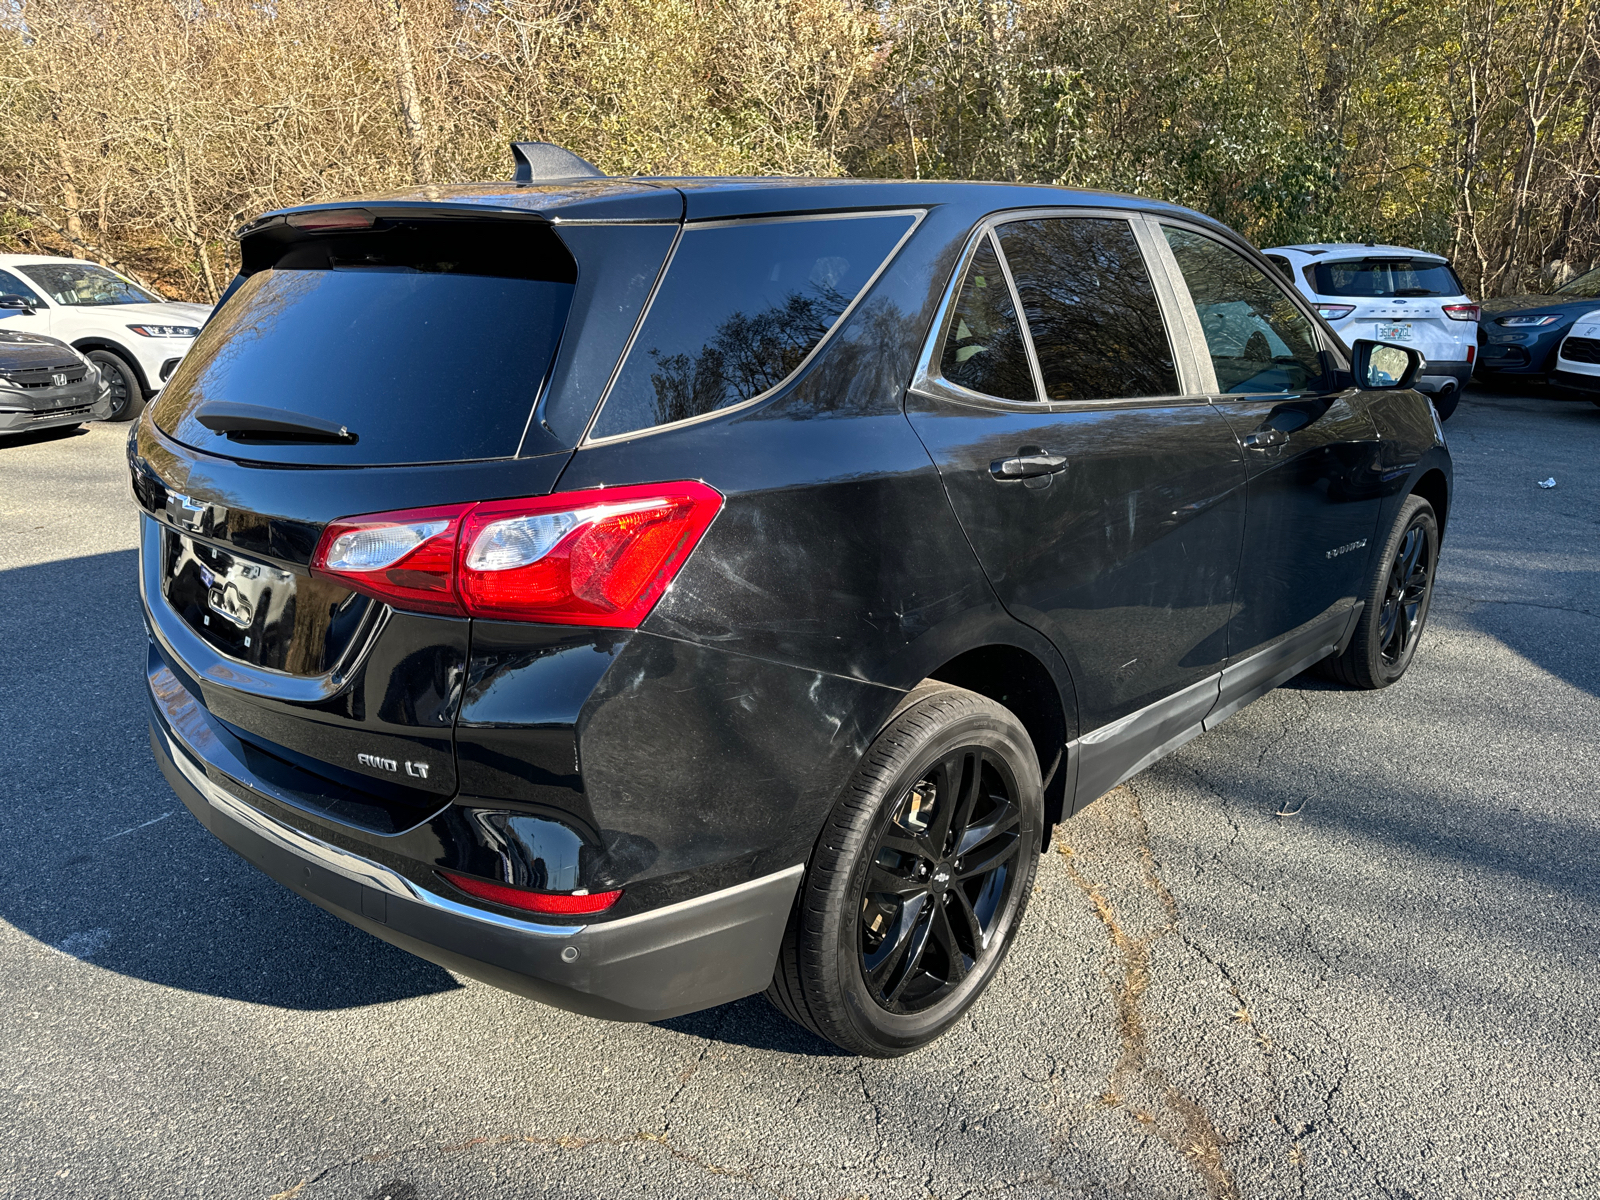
132,335
1578,360
1392,294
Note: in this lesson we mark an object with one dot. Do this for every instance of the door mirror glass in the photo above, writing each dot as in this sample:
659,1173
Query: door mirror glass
1380,366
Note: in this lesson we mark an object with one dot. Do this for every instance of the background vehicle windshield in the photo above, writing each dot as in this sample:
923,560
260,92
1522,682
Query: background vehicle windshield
85,285
1585,286
1380,277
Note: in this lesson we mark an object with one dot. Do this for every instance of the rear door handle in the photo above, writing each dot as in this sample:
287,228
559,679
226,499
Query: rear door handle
1028,466
1261,439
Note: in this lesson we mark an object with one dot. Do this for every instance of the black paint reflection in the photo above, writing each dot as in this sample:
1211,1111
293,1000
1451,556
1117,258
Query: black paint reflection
1091,309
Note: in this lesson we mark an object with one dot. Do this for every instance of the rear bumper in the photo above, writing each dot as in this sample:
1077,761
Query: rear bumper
661,963
1442,375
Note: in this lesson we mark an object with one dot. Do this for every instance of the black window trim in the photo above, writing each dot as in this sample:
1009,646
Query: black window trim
1327,339
916,214
928,380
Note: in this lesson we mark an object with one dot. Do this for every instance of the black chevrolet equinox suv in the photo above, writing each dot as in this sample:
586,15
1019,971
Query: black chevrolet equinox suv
642,593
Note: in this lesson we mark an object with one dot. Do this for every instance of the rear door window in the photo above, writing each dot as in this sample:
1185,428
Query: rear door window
1091,308
983,351
428,340
741,308
1380,278
1259,342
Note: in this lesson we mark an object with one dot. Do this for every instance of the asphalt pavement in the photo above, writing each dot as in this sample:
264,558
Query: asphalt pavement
1343,946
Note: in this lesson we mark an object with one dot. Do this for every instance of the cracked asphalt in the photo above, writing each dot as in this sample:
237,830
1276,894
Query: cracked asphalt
1391,993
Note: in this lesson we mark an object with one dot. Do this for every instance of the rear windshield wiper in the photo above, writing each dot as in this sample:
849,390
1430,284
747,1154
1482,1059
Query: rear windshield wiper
257,423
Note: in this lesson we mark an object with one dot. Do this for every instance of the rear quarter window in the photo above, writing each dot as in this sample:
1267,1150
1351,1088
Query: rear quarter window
742,306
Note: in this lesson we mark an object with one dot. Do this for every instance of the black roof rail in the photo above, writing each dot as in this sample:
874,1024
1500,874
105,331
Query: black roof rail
544,162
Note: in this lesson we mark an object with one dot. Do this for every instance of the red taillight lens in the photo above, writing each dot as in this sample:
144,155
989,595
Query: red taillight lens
405,558
600,557
555,904
1462,312
581,558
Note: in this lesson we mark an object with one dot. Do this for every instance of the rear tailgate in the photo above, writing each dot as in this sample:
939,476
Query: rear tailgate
427,346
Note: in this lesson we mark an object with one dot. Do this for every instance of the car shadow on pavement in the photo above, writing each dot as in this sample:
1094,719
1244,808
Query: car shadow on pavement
10,441
754,1023
101,862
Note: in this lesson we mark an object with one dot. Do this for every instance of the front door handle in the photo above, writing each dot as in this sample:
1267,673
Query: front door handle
1261,439
1028,465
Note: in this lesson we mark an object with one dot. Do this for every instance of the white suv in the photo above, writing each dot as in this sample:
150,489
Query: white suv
1392,294
134,336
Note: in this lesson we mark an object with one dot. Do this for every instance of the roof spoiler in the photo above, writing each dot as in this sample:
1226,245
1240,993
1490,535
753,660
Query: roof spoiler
546,162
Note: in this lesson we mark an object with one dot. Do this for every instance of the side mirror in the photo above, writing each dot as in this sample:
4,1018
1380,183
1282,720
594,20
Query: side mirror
1382,366
21,303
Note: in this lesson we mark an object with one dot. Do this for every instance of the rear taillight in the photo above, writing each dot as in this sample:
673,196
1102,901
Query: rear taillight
565,904
405,558
600,557
1462,312
1335,312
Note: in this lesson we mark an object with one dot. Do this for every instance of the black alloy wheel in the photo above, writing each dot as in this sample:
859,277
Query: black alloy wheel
1399,593
127,397
1405,595
939,879
918,883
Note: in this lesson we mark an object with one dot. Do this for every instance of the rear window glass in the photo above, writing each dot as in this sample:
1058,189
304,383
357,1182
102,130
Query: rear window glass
1381,277
1091,309
429,344
741,307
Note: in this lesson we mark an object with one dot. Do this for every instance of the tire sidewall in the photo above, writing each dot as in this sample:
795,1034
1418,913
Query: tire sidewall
111,360
1416,512
893,1033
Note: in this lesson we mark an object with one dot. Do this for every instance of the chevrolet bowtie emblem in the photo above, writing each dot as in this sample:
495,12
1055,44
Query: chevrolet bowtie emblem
185,512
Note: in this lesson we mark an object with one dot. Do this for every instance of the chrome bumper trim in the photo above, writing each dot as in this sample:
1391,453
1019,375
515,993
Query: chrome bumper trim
341,862
367,873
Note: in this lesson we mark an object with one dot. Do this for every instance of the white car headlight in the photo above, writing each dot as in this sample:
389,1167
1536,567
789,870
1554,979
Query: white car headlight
166,331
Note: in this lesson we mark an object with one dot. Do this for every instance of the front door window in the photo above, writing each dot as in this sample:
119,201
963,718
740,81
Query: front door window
1260,343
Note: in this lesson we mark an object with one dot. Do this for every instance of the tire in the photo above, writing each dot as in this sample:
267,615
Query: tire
1446,405
1397,600
127,397
883,970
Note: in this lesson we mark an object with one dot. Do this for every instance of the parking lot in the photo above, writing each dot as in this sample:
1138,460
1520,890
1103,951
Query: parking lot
1343,946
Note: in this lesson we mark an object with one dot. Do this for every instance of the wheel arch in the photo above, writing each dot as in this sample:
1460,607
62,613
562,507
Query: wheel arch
1017,678
1433,487
86,344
